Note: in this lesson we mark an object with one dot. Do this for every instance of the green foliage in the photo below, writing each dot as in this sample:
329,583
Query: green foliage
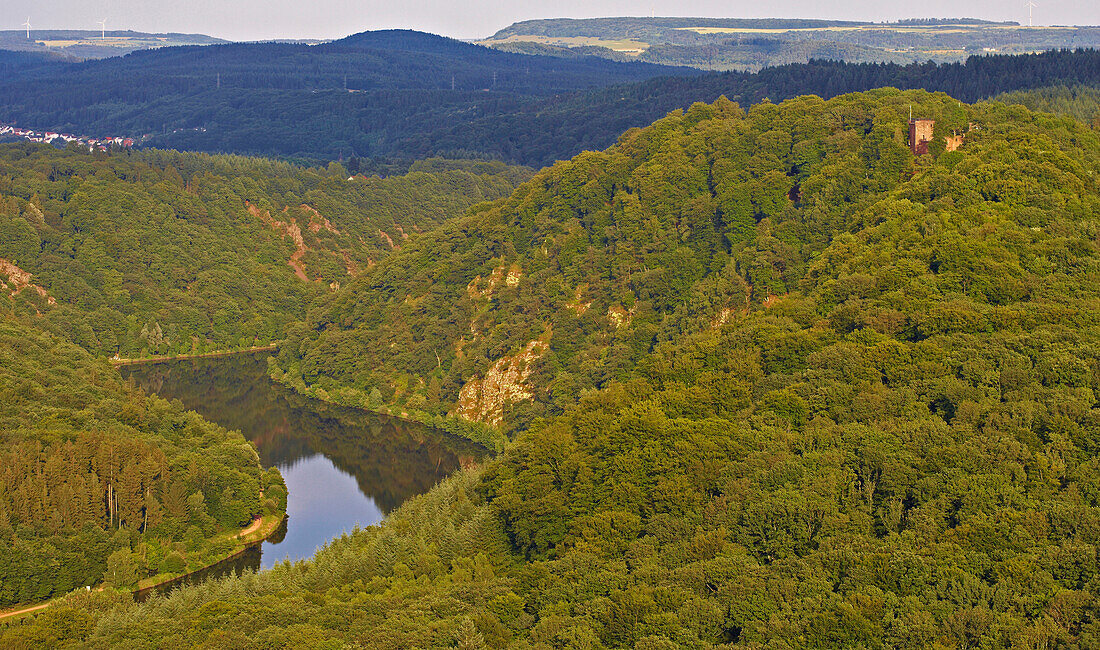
167,253
869,420
679,227
121,570
91,469
1079,102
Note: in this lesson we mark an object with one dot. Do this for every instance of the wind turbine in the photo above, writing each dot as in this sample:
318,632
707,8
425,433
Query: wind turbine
103,29
1030,6
28,26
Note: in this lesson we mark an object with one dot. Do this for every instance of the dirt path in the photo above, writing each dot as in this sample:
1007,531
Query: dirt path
253,527
25,610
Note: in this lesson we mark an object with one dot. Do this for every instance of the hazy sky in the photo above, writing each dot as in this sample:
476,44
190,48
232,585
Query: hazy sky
263,19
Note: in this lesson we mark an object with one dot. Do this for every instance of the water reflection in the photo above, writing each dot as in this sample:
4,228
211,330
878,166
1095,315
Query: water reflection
342,466
249,560
326,503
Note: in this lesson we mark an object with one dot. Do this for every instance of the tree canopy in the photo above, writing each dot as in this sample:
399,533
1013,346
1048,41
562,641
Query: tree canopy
152,252
770,380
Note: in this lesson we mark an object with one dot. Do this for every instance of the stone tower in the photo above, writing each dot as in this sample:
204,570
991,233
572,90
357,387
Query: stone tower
920,134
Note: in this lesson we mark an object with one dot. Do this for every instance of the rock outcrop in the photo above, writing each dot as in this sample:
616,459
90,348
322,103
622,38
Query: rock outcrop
508,276
18,280
483,400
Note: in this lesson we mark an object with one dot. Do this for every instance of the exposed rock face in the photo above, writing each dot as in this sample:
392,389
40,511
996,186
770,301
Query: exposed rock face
722,318
577,304
317,221
619,316
287,230
386,238
351,266
503,274
18,280
483,400
512,279
290,228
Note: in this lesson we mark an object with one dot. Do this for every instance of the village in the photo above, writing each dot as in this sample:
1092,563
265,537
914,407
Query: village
50,137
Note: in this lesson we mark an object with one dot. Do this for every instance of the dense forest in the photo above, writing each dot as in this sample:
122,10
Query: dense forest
521,306
355,96
16,64
151,252
99,483
794,385
398,102
1079,102
564,126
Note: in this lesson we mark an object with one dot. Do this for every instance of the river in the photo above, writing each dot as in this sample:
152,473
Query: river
343,467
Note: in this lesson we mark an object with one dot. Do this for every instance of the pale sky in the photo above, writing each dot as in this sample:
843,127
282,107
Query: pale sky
266,19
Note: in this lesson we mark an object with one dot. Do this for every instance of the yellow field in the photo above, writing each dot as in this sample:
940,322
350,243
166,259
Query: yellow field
624,46
112,41
938,29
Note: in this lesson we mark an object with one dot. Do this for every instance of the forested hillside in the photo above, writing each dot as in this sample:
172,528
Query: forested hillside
14,64
564,126
135,253
513,311
398,103
798,388
361,95
1079,102
100,483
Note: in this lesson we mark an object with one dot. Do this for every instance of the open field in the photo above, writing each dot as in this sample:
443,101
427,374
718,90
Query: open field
94,44
128,43
751,44
905,29
624,46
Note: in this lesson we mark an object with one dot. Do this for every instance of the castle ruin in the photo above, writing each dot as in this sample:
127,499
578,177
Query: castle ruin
920,134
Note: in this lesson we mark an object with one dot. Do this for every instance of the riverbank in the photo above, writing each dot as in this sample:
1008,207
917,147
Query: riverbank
486,435
256,532
116,361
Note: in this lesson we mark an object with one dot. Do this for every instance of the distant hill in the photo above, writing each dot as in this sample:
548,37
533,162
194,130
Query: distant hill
408,95
751,44
13,63
361,95
75,44
564,125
